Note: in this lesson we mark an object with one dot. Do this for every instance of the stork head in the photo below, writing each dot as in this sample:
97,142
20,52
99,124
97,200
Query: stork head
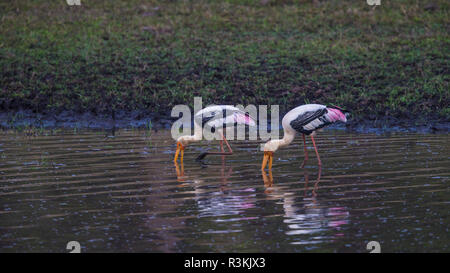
182,142
269,148
272,145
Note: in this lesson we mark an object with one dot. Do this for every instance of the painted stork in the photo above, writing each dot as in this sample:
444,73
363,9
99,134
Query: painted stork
217,117
305,119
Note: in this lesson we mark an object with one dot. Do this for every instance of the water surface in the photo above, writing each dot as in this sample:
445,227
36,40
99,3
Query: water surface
125,194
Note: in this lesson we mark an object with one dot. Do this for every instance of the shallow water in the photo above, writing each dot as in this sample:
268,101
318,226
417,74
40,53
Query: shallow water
124,194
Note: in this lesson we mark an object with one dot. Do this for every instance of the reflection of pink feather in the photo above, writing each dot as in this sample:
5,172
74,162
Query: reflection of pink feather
338,212
338,223
246,205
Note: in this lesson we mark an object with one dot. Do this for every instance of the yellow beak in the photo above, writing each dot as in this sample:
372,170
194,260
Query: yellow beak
268,157
180,174
180,147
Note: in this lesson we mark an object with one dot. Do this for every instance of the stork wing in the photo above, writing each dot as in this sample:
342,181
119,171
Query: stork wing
306,118
218,116
208,114
240,117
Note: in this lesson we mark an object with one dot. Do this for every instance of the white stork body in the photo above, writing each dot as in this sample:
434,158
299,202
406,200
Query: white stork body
217,117
304,119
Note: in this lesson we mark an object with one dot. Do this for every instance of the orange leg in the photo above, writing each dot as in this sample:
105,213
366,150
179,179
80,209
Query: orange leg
228,145
222,150
221,146
316,185
306,174
317,153
230,151
306,151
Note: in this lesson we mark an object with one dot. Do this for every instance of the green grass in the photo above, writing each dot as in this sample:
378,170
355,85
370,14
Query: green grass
151,55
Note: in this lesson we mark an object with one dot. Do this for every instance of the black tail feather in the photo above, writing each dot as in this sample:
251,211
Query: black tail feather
201,156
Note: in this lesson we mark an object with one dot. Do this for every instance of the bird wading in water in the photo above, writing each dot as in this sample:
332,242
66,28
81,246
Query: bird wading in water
217,117
305,119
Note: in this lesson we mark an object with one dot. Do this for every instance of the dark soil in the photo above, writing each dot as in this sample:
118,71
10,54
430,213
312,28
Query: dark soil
26,119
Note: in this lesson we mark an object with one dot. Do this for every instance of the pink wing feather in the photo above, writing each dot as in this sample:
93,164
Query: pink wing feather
242,118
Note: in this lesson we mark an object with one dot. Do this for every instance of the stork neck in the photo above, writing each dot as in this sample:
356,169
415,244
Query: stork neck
198,133
287,139
186,140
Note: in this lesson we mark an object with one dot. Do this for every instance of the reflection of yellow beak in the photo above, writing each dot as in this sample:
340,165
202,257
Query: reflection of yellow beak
180,147
268,180
268,157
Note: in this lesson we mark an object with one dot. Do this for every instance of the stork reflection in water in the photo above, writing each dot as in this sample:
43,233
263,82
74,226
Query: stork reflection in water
215,197
307,217
269,185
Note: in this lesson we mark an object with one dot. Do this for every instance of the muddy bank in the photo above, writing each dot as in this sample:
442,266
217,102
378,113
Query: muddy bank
69,119
155,121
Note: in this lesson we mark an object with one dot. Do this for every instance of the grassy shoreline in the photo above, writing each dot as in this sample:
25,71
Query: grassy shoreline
147,56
